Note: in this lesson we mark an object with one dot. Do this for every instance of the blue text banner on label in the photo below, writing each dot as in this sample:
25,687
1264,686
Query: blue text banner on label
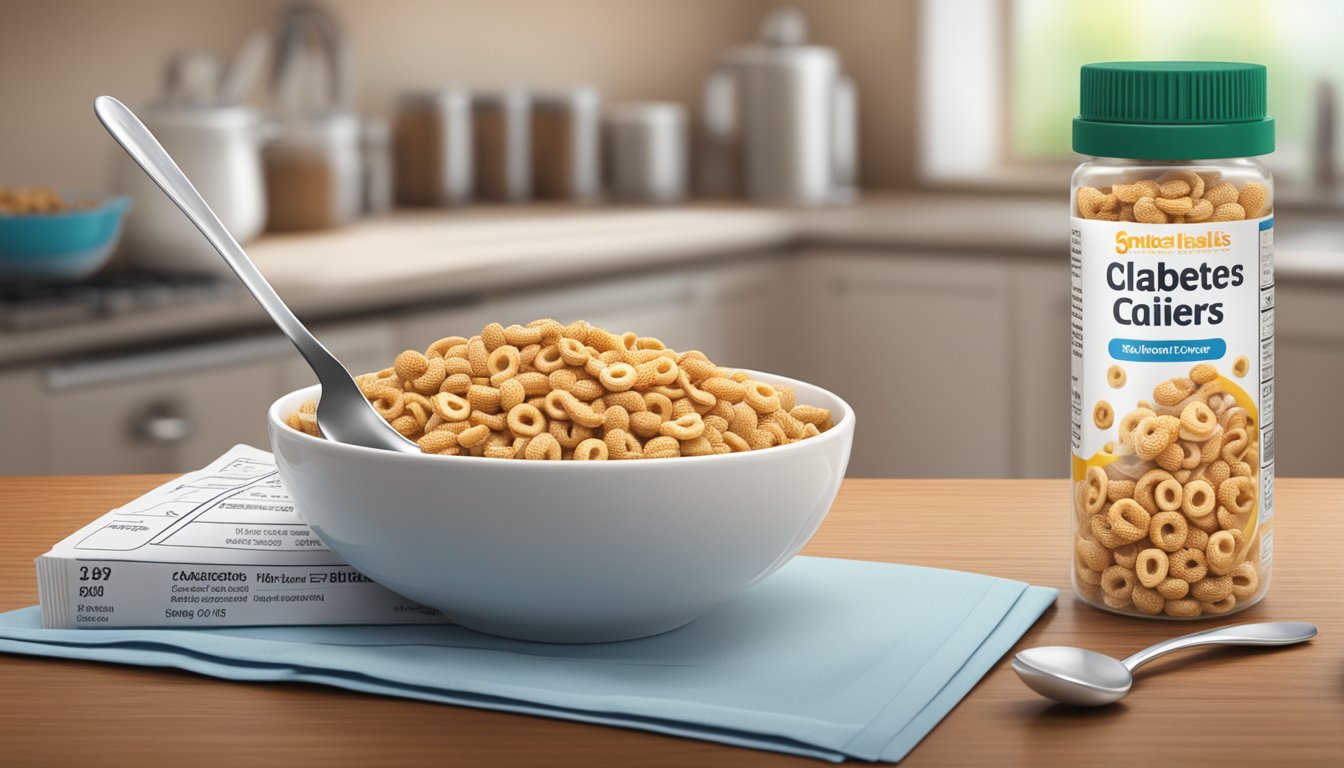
1175,350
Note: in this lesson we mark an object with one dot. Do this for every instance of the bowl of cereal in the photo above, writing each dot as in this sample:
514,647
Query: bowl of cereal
44,236
573,488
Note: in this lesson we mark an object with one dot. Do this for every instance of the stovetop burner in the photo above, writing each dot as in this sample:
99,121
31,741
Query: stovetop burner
39,306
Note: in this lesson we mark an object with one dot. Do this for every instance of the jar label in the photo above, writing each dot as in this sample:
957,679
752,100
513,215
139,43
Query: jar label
1173,365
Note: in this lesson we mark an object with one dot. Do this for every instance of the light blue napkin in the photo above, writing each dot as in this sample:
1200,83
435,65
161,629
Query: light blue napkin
827,658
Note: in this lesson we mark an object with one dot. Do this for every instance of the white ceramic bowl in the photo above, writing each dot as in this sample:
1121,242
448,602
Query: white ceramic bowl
565,551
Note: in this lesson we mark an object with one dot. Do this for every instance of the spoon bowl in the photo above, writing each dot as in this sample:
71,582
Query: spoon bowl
1074,676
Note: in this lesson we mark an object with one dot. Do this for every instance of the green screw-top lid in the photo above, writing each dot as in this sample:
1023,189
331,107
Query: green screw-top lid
1173,110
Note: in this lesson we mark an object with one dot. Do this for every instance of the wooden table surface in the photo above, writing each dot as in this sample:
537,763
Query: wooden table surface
1222,707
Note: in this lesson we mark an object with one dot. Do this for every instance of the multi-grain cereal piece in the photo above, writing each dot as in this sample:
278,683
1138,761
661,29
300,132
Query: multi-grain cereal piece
1162,527
547,391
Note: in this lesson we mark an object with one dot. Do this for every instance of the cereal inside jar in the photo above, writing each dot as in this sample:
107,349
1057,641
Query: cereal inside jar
1172,356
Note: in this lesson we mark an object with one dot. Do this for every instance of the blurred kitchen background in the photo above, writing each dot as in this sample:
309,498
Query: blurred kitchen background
866,194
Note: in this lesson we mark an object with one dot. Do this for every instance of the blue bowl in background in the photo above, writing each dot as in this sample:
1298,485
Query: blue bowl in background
60,246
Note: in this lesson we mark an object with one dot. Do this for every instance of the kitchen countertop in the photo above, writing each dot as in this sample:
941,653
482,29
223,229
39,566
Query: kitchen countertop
1224,707
426,256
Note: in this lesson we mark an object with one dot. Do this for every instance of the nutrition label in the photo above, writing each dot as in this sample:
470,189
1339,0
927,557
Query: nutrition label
222,546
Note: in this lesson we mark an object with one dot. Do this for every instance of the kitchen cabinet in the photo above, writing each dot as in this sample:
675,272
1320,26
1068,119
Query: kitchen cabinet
922,348
741,309
24,433
1308,380
171,410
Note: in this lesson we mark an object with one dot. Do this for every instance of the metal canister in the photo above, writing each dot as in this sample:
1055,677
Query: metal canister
501,145
433,139
646,151
567,144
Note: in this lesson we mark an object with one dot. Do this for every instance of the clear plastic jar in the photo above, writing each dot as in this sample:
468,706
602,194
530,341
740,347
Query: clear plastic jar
1173,368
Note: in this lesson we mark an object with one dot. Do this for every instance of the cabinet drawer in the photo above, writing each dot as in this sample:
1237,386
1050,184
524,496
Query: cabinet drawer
139,415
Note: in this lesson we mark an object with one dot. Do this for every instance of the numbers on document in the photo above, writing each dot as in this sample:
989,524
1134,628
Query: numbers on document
96,573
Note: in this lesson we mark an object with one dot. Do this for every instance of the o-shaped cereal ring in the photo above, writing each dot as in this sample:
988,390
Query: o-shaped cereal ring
1116,603
1095,498
1092,554
1219,606
473,436
1171,458
1221,553
1196,538
1235,443
410,365
1245,581
503,363
1211,589
1173,391
1197,422
1131,421
1154,434
548,359
663,447
1147,601
1126,555
1241,366
591,449
1145,488
1168,531
687,427
1151,566
1167,495
1119,489
761,397
1184,608
1103,415
1173,588
1118,582
1217,471
1188,564
1115,376
1128,520
1237,494
1101,531
1198,499
526,421
618,377
543,447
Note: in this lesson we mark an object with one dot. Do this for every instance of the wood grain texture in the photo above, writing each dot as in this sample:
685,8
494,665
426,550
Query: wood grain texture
1215,707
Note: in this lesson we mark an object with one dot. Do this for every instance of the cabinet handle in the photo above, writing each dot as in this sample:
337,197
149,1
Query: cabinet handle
162,425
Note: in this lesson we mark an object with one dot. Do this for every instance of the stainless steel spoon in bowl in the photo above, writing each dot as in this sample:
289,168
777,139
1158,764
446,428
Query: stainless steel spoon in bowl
343,414
1089,679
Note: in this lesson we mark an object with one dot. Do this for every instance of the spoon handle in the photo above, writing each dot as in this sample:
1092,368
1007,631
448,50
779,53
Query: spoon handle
1263,633
155,161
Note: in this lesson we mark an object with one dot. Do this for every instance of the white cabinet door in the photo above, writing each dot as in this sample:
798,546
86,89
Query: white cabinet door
1308,380
168,411
742,307
920,348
